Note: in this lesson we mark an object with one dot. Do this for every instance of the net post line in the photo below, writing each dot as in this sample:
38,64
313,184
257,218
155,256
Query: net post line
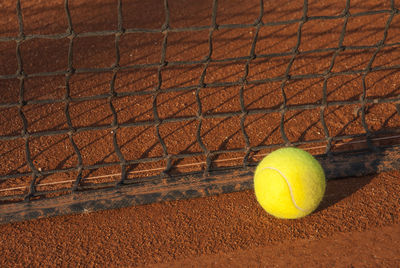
340,165
363,141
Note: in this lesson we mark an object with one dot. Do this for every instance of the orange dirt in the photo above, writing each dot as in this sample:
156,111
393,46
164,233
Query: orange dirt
358,221
357,224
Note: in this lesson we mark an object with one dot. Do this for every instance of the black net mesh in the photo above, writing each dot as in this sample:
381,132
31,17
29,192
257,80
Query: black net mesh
166,93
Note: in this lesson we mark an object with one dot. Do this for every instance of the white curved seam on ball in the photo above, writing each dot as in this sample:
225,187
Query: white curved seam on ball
288,184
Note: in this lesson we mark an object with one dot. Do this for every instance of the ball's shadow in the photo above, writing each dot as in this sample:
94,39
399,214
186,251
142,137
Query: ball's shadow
338,189
353,166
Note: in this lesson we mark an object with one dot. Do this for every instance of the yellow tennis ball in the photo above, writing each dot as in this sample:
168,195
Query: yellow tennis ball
289,183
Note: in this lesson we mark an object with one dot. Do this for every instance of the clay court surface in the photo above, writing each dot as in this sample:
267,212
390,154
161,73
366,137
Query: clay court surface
358,222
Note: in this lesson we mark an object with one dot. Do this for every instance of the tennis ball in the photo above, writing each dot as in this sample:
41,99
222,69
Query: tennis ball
289,183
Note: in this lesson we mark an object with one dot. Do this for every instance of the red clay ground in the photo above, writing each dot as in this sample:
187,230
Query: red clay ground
358,222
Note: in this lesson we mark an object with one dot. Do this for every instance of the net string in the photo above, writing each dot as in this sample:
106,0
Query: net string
210,156
260,156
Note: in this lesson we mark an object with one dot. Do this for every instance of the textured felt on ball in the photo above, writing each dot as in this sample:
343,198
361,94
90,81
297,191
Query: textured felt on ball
289,183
